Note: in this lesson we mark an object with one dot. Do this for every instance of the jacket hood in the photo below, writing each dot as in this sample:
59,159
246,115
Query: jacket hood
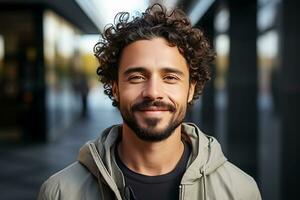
104,146
206,157
98,156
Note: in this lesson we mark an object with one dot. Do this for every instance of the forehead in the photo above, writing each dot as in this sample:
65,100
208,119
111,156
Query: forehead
152,54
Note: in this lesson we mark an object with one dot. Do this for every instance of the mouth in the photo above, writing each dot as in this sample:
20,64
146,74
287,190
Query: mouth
154,109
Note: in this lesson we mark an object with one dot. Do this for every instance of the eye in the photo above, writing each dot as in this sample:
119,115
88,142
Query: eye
171,78
136,78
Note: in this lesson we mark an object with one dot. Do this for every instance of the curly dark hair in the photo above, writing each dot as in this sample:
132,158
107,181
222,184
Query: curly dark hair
174,26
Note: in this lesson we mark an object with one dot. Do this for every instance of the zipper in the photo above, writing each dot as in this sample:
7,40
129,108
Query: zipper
181,191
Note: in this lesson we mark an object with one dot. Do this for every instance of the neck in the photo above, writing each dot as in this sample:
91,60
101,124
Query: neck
150,158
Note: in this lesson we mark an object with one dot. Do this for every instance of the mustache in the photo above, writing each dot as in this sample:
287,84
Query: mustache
145,104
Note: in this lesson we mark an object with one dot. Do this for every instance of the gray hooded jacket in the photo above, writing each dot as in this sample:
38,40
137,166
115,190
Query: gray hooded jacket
95,175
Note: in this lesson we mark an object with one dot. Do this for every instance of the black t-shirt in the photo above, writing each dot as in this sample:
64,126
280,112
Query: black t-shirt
164,187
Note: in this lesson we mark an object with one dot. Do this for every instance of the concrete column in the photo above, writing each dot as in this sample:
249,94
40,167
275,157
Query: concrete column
34,116
207,115
208,97
289,86
242,87
40,133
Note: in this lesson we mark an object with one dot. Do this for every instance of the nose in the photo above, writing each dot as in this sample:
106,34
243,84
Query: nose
152,89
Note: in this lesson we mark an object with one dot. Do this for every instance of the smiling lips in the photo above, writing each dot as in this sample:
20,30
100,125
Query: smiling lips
154,109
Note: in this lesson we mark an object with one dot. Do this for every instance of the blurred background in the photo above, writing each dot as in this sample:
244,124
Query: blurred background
51,101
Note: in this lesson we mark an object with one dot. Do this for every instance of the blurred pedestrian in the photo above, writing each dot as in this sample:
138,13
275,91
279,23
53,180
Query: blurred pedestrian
84,90
81,87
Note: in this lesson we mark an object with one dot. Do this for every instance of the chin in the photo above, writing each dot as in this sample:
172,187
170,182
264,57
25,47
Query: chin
154,134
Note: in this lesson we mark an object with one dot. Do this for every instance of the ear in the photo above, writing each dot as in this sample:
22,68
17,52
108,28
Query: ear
191,91
115,90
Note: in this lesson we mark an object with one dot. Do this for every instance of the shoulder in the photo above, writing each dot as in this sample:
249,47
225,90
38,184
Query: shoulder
242,185
73,180
74,174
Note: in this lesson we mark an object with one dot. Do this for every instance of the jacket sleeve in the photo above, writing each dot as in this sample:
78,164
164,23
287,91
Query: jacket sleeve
243,185
49,191
257,192
249,191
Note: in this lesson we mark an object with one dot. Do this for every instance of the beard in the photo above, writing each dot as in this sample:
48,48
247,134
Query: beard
150,132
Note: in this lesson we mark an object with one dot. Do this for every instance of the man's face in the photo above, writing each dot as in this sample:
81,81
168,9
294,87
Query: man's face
153,88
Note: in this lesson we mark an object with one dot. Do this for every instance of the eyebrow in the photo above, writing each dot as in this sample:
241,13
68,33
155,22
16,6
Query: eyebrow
135,69
172,70
144,70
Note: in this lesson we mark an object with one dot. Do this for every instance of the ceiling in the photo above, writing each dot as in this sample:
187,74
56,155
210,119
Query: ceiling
90,16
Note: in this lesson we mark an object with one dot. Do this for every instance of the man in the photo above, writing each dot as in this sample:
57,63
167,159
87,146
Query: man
152,68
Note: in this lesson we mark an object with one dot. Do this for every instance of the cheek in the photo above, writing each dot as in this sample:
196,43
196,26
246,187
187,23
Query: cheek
180,102
128,95
178,94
